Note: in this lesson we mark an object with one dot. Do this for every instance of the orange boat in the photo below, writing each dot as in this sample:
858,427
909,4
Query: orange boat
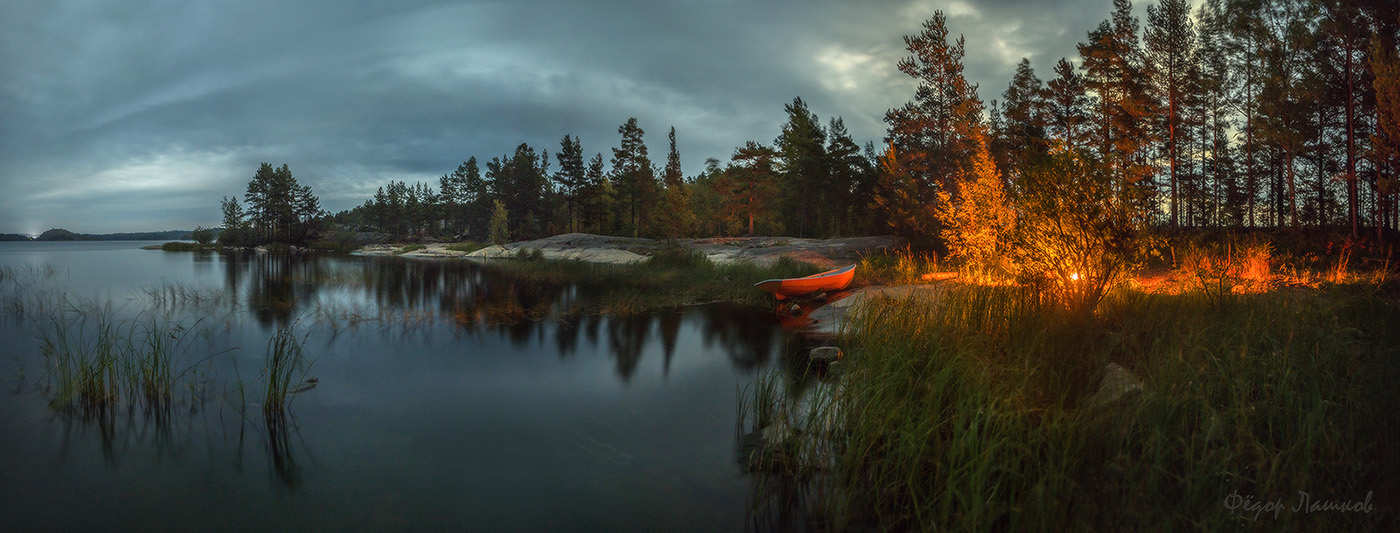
831,280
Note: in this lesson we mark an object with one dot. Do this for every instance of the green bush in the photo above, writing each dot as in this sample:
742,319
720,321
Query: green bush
203,235
675,256
238,238
336,242
178,246
409,248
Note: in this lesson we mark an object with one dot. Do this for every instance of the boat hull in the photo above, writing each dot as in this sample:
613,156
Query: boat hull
831,280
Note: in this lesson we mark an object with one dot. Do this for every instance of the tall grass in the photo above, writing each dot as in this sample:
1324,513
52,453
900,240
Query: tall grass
974,414
285,366
95,361
898,267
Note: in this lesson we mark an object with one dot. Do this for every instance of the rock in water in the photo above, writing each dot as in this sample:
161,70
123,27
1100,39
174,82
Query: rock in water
777,433
825,354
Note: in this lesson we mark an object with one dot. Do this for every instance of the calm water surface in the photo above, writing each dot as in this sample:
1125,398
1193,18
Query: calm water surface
436,404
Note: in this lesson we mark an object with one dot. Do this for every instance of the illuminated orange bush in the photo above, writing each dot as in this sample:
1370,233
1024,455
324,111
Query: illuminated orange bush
1075,235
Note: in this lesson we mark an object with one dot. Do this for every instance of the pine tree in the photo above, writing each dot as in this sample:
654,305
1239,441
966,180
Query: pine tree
1344,24
672,176
632,175
1246,37
1385,64
1114,72
851,178
1066,103
571,177
456,194
802,168
1282,105
1170,45
279,208
933,138
1023,119
674,218
750,183
932,134
1215,88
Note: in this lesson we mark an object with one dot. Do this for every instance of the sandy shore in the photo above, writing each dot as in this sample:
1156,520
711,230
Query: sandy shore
621,250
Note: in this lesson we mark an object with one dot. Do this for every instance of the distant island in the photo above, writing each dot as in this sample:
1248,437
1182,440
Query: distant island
59,234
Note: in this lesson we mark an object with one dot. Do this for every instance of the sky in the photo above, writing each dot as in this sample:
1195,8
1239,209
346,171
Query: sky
141,116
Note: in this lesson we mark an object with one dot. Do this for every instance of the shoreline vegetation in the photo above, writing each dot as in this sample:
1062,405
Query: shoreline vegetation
1260,368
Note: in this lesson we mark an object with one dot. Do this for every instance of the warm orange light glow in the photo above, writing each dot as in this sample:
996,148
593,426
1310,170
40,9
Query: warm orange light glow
1074,276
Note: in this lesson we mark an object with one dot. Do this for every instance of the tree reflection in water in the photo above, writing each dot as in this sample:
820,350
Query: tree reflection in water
478,298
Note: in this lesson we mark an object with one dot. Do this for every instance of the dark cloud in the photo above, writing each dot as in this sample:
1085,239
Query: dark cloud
135,116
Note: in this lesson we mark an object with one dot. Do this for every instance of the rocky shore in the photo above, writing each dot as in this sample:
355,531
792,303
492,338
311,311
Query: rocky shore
621,250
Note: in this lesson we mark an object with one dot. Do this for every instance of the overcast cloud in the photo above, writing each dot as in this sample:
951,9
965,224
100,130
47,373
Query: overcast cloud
136,116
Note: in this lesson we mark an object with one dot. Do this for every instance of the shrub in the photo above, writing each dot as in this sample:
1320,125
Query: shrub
500,230
341,241
1076,236
1216,270
529,254
178,246
677,256
202,235
238,237
467,247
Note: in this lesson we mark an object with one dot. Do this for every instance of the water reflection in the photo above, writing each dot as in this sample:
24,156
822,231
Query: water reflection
477,299
282,450
162,430
644,383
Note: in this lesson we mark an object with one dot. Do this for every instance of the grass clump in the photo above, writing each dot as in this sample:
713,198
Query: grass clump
979,412
95,362
285,366
409,248
170,295
180,246
467,247
898,267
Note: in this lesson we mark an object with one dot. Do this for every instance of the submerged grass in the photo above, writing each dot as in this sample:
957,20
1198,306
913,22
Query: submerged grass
979,412
95,361
286,365
170,295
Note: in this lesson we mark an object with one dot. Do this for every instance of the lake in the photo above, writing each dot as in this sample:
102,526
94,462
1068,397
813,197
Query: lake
438,396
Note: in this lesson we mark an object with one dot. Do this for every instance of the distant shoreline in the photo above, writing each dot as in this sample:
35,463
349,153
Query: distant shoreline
58,234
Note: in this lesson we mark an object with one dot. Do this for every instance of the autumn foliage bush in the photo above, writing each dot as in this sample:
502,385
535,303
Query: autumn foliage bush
1076,234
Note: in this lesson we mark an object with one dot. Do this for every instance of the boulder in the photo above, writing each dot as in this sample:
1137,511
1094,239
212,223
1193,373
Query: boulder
825,354
1117,381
